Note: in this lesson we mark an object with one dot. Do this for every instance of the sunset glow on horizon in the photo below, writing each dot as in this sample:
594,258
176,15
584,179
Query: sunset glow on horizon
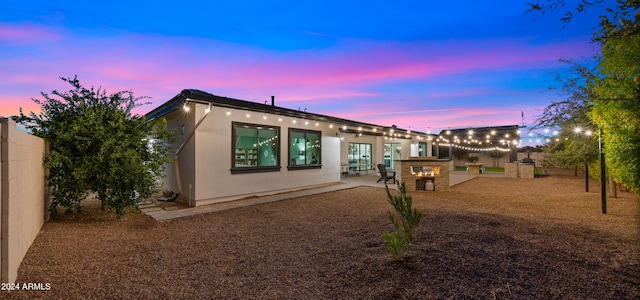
416,65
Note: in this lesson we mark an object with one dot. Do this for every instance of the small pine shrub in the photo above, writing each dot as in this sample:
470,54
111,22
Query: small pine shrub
405,219
395,245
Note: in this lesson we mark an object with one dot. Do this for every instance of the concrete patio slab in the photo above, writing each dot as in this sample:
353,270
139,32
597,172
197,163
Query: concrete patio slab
348,182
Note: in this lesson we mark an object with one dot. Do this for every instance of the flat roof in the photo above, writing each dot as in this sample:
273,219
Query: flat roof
496,133
197,96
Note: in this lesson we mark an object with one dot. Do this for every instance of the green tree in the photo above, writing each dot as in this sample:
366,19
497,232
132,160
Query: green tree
617,89
615,86
496,154
571,149
574,150
543,6
97,146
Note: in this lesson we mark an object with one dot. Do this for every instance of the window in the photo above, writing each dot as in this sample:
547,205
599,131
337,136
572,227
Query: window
304,149
422,149
360,155
255,148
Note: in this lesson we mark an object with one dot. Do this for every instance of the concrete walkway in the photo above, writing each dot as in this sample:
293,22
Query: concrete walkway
168,213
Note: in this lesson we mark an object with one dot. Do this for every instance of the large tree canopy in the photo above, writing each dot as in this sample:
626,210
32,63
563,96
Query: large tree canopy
613,89
98,147
617,106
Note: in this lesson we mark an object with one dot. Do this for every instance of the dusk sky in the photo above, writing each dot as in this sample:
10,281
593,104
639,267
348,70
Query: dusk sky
421,65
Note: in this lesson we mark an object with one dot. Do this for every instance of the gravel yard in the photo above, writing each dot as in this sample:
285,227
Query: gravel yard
486,238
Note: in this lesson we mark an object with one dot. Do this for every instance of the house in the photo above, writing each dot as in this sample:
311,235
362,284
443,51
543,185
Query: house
229,149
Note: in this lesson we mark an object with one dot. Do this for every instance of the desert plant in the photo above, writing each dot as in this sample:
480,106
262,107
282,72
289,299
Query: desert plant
405,220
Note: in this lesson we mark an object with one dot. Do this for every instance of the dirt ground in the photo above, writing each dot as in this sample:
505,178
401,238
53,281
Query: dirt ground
488,238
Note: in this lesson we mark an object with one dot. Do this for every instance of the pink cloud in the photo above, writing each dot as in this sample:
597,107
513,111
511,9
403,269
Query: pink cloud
272,71
378,62
345,81
459,93
27,34
436,119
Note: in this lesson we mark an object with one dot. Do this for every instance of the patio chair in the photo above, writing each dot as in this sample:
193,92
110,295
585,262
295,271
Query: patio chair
384,175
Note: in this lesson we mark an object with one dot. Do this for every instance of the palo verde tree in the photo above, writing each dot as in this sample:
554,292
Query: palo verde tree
97,146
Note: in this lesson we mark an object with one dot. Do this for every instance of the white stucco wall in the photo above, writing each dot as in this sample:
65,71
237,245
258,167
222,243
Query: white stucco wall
206,159
175,120
213,151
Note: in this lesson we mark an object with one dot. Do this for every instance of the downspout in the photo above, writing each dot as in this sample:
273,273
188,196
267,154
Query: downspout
176,164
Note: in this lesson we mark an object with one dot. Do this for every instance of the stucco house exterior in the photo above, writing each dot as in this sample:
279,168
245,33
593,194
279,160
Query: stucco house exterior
229,149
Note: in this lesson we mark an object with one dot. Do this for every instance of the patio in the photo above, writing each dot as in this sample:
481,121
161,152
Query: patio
168,211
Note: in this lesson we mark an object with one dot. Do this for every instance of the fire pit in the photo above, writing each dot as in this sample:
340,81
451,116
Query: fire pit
420,174
429,171
426,177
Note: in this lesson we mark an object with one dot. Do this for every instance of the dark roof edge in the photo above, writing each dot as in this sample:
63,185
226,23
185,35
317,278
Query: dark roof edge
184,96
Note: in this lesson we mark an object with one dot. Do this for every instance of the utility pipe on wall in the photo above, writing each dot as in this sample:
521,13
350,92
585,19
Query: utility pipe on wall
176,164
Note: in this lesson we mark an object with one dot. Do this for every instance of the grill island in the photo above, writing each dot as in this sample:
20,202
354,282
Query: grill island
424,174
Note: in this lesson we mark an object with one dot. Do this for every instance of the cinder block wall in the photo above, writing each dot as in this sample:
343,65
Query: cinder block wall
22,187
511,170
490,162
518,170
526,171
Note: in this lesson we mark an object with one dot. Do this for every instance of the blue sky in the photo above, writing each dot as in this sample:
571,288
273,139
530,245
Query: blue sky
421,65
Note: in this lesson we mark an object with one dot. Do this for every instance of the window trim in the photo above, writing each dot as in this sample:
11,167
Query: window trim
254,169
306,166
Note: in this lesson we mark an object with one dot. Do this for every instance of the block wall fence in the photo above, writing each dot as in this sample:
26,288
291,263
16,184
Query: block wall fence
22,195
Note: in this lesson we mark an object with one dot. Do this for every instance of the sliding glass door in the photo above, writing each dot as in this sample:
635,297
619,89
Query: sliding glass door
391,153
360,155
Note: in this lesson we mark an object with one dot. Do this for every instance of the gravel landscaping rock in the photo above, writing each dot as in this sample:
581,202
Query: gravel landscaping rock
490,238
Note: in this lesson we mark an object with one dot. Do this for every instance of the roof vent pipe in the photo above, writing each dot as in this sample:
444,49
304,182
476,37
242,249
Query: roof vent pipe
273,100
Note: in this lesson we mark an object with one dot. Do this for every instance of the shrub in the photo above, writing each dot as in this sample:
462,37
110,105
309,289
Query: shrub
405,219
98,146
